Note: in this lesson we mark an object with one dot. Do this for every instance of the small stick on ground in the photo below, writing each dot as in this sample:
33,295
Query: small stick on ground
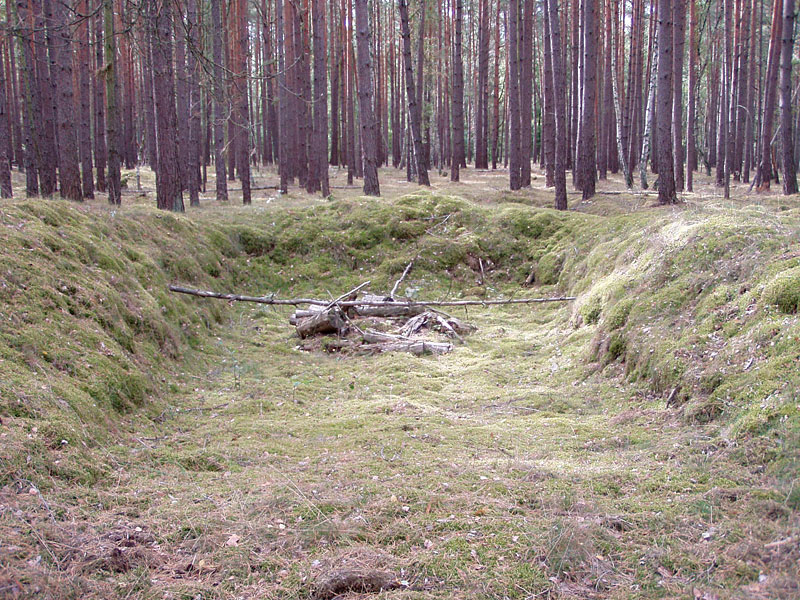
406,271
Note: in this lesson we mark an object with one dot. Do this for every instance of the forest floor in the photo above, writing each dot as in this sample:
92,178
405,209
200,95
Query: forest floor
509,468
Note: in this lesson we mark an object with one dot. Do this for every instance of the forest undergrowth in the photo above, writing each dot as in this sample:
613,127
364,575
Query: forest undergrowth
640,442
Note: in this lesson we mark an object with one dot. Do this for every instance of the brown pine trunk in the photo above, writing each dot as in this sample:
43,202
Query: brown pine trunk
112,105
168,183
84,92
242,101
666,174
193,163
482,92
5,164
787,137
549,120
679,42
512,89
369,133
691,149
47,151
587,166
320,135
457,100
283,100
526,94
415,110
621,148
560,176
764,176
100,152
219,109
68,150
496,128
742,62
182,97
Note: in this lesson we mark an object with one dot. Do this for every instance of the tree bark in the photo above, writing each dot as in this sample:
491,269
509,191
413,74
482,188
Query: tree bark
691,148
320,139
666,176
787,137
369,135
526,94
549,119
112,105
169,195
586,163
764,176
218,92
512,90
457,100
415,111
5,164
621,150
559,176
482,92
193,163
84,93
241,87
679,37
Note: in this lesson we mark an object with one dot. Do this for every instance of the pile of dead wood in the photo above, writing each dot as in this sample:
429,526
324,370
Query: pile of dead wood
371,324
361,322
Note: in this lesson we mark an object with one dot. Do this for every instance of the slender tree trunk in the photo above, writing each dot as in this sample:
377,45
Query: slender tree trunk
168,184
68,150
587,165
242,101
549,120
621,150
112,105
482,92
787,137
679,36
512,89
666,176
749,137
415,109
457,102
560,176
283,100
219,116
320,140
691,148
764,176
84,93
496,128
526,93
193,165
5,164
100,152
648,118
369,134
45,71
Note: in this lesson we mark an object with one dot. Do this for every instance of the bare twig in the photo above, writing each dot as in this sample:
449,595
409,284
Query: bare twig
403,303
406,271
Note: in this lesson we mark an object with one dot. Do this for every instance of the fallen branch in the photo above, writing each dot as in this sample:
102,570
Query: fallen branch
399,303
397,283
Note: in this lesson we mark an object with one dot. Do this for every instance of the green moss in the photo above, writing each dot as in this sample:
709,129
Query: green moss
783,291
591,309
548,269
618,315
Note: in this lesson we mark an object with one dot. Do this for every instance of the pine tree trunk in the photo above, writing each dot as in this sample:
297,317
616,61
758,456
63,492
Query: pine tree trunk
560,176
415,110
369,134
549,119
193,164
320,140
742,58
84,93
219,110
112,105
100,152
691,149
45,72
457,100
666,176
648,118
512,90
5,164
764,176
526,93
242,101
787,137
586,165
168,183
496,128
283,101
68,150
679,43
482,92
621,151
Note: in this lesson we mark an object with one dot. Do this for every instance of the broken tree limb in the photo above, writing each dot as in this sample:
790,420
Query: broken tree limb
326,321
397,283
418,347
348,303
381,306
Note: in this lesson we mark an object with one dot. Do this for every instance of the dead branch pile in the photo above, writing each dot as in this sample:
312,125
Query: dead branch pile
373,324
